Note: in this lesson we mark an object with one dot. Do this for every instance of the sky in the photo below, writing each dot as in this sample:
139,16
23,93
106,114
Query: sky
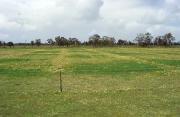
26,20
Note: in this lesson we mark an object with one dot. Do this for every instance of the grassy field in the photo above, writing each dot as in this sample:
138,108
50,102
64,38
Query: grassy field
101,82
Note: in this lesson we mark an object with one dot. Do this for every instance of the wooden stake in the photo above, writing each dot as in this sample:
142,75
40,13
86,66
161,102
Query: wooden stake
60,82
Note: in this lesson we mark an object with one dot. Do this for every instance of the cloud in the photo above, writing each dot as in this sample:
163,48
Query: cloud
26,20
3,36
89,9
7,24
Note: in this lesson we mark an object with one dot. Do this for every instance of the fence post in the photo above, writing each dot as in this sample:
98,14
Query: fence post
60,81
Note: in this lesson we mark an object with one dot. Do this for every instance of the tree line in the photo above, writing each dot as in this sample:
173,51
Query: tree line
96,40
147,39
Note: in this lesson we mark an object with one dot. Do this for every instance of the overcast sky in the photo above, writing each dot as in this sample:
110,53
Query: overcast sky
25,20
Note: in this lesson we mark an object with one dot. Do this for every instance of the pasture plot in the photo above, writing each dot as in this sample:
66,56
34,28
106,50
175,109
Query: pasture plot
103,63
175,63
96,82
28,64
113,68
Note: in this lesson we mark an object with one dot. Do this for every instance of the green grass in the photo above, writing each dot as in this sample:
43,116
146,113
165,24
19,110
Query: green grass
97,82
175,63
118,68
11,72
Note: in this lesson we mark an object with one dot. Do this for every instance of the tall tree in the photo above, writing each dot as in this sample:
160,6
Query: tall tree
122,42
108,41
38,42
144,39
94,40
32,43
4,44
58,40
61,41
74,42
168,38
148,38
164,40
10,44
50,42
158,40
1,43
